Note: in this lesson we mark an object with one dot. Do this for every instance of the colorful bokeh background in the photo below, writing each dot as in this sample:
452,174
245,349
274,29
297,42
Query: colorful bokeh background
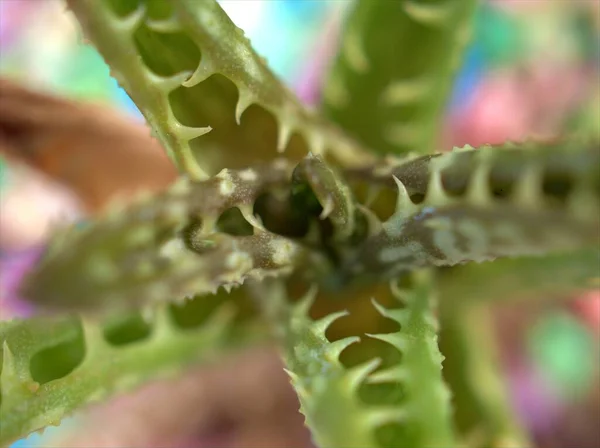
532,69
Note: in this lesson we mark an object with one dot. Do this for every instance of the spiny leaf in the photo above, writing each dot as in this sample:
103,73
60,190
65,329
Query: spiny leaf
35,396
533,278
426,404
326,389
166,247
397,60
193,74
330,392
484,204
332,193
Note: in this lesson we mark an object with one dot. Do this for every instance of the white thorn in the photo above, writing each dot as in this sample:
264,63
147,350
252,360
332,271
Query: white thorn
328,207
283,136
404,205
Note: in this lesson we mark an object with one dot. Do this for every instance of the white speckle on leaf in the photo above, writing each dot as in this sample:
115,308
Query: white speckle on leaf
249,175
239,261
282,251
172,248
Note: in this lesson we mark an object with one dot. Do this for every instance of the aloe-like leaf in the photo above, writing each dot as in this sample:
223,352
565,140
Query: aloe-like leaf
426,406
202,88
484,204
334,197
397,60
482,405
532,278
167,247
51,367
327,390
331,394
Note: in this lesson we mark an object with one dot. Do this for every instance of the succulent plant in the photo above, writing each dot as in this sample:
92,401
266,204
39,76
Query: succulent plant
345,234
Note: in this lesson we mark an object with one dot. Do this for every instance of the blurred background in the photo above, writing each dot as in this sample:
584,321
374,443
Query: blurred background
533,69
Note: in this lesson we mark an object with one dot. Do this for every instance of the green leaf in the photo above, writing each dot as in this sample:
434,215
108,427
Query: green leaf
54,366
482,399
333,195
326,388
426,406
340,405
479,205
204,91
390,82
173,245
531,278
